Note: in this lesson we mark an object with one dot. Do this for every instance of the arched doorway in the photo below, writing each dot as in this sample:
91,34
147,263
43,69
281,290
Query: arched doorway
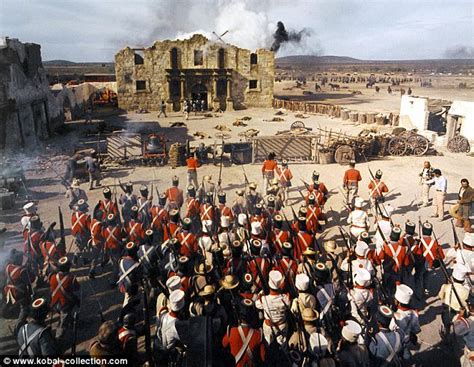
199,93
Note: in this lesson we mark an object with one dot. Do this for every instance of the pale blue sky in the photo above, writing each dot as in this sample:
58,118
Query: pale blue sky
93,30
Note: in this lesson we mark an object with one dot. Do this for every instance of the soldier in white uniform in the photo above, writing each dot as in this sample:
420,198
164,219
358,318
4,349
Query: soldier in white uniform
30,211
305,299
405,318
449,297
168,339
75,193
358,219
162,301
463,325
387,345
425,176
274,306
239,205
350,351
383,227
360,262
463,253
361,296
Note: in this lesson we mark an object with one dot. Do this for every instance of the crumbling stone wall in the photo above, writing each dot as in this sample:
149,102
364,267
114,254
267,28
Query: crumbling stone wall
28,110
159,80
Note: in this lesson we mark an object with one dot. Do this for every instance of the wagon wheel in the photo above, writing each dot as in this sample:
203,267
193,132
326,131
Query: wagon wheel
406,134
459,144
297,125
397,146
418,145
344,154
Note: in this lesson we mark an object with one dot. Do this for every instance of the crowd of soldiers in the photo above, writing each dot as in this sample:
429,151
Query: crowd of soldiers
207,282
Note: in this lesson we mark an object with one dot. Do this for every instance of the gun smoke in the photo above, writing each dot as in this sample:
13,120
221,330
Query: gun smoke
281,36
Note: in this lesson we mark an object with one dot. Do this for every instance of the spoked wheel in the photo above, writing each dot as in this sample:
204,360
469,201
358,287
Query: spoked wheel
344,154
459,144
418,145
397,146
297,125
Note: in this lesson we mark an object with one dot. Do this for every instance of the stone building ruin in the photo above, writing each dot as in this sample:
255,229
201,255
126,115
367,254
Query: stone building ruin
28,110
224,76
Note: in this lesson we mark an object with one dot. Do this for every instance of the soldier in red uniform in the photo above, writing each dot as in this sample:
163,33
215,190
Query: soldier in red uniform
236,264
268,171
313,215
63,286
17,291
134,228
192,207
258,265
377,188
206,211
174,195
350,183
284,176
128,338
428,252
97,242
244,341
223,210
393,258
287,266
410,241
32,239
187,240
80,229
107,205
304,240
113,235
278,236
51,254
159,216
171,229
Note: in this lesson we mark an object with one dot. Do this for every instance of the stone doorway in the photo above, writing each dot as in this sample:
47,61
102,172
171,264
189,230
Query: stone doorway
199,93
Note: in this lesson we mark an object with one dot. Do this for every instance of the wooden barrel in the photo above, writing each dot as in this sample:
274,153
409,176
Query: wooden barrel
380,120
326,157
345,114
362,118
353,116
371,118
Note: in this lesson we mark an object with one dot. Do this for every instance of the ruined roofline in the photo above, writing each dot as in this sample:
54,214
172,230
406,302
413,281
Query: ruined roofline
197,37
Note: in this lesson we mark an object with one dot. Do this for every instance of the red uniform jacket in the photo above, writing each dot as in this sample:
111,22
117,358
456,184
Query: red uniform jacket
278,237
189,245
192,207
288,268
17,283
97,232
377,188
225,211
430,249
51,253
63,286
303,241
135,231
34,250
245,344
80,224
107,207
352,177
206,212
113,237
397,253
159,216
170,231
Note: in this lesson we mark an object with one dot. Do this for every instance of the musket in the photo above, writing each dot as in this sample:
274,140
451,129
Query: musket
305,184
245,177
292,234
62,242
64,182
122,187
101,310
455,235
350,279
30,263
445,272
146,314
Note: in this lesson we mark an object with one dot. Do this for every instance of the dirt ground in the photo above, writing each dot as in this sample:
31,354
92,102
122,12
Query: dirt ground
400,174
371,101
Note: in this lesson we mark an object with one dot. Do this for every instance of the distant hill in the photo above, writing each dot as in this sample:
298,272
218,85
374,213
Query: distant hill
59,63
310,59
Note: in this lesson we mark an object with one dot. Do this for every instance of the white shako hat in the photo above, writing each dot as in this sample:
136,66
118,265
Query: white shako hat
302,282
176,300
173,283
403,294
275,278
351,331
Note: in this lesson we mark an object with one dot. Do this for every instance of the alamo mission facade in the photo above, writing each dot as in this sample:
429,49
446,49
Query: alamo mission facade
222,75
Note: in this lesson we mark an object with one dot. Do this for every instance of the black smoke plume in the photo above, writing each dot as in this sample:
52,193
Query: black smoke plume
281,36
459,52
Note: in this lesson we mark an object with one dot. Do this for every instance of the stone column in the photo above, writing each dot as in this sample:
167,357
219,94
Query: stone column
215,98
168,100
181,91
228,99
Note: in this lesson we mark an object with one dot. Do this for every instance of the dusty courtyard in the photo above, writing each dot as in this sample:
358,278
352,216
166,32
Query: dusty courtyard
400,174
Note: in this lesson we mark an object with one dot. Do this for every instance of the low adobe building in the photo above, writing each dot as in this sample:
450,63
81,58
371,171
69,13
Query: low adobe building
223,76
